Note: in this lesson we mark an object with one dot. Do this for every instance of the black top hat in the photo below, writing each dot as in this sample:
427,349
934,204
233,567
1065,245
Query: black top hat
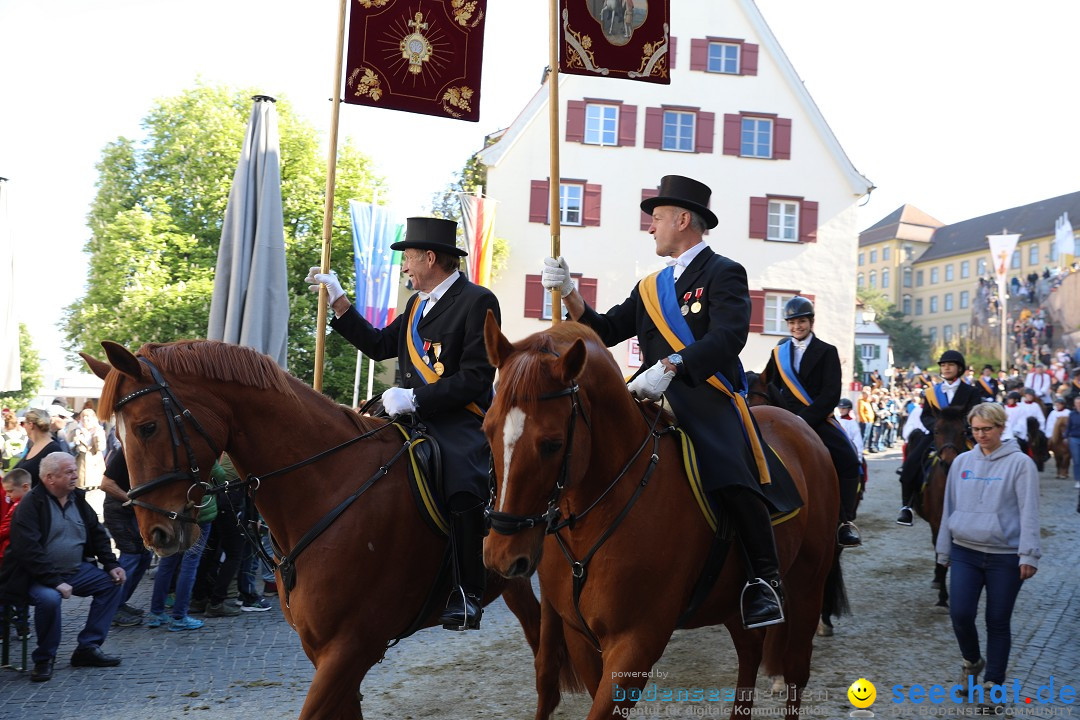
683,192
428,233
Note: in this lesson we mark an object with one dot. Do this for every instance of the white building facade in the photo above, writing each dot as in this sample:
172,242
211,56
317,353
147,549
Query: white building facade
736,117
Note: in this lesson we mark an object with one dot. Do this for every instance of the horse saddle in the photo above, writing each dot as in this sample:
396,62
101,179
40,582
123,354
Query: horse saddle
426,478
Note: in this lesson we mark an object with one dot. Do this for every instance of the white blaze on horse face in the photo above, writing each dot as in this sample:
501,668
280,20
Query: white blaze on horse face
121,429
512,429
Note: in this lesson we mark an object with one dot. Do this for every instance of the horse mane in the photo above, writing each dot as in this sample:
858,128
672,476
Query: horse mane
953,414
208,359
527,371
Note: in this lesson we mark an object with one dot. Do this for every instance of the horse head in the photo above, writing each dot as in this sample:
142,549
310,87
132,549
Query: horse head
540,427
950,434
759,391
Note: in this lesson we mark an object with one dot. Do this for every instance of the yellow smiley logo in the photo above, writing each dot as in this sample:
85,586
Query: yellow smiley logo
862,693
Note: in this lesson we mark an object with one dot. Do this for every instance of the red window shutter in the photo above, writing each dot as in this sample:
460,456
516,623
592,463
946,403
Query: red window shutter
808,296
587,288
575,121
646,218
699,54
706,129
671,52
782,139
654,128
748,66
808,213
757,311
534,297
590,215
538,201
759,217
627,125
732,134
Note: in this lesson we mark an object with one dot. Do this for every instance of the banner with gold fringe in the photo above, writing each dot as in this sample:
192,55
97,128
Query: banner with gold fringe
628,39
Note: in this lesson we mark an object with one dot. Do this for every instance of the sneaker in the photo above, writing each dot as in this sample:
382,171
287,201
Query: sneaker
906,517
197,606
130,610
185,623
170,600
988,700
157,620
122,618
257,605
222,609
972,669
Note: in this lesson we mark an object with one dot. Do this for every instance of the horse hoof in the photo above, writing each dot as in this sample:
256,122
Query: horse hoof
777,683
824,630
936,584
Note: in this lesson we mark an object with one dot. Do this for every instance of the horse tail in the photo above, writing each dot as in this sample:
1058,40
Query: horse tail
835,602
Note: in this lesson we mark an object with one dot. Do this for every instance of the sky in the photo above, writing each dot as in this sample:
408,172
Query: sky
959,107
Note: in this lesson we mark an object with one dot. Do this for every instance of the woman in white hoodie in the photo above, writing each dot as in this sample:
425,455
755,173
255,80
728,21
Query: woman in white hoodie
990,538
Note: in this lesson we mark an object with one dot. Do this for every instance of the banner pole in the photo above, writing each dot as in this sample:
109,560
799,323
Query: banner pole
328,210
356,379
554,181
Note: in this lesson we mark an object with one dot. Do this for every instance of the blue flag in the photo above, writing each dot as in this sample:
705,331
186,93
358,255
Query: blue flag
377,266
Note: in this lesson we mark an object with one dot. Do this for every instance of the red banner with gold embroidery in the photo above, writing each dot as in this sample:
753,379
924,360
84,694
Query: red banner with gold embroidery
626,39
421,56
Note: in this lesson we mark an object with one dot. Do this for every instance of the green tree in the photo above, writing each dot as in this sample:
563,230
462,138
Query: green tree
908,343
156,225
29,371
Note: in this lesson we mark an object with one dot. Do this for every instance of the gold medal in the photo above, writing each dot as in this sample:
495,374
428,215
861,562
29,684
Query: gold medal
696,307
439,368
684,309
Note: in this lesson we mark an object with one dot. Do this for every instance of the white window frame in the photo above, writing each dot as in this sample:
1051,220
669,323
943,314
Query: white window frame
866,351
948,303
907,277
725,60
965,299
963,330
601,124
783,221
918,306
1014,263
946,334
545,314
905,304
861,280
965,269
933,304
774,313
934,275
679,140
980,267
931,337
873,278
862,257
567,191
884,278
1033,254
948,272
760,142
873,256
885,253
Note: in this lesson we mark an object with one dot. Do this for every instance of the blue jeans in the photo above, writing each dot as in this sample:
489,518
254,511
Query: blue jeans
88,580
1074,448
251,566
189,565
971,571
135,566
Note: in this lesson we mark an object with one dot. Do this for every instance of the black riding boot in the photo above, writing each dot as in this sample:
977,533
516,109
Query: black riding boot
762,601
847,535
465,607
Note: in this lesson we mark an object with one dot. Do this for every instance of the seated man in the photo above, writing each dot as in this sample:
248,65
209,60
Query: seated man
53,533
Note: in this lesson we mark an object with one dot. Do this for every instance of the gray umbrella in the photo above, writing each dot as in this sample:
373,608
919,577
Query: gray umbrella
250,305
10,376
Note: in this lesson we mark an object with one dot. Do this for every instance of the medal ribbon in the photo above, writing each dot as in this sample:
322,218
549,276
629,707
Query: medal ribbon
937,399
658,295
418,351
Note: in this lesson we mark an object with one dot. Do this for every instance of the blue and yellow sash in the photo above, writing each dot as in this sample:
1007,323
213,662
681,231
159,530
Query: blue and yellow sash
418,354
658,295
791,379
986,386
937,399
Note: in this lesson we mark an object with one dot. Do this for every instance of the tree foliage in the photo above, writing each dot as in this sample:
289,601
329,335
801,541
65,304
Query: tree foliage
29,371
471,177
908,344
156,225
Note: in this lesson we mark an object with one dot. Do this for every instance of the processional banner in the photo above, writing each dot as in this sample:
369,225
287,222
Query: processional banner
628,39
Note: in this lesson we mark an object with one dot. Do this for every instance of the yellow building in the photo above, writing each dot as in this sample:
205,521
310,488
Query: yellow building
888,249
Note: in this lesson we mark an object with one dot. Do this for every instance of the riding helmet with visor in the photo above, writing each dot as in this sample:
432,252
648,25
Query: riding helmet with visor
952,356
798,307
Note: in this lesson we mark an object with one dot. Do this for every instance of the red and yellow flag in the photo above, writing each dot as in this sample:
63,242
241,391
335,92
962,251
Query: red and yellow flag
478,225
421,56
627,39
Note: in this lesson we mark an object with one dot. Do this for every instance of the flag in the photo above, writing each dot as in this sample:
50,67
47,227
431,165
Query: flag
628,39
478,225
1001,250
420,56
377,266
10,364
1064,240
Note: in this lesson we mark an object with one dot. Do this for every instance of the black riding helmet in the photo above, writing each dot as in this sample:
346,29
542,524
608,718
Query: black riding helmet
1013,395
844,404
952,356
798,307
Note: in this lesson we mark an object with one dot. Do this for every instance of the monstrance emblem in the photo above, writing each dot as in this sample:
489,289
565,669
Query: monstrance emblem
415,48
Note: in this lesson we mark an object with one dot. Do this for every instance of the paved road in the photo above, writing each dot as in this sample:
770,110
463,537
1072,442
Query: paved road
252,665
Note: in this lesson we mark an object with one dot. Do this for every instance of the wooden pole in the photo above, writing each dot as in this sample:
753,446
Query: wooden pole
328,210
554,182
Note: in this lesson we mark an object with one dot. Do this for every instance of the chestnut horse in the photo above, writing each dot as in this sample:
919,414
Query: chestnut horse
592,493
1059,445
367,577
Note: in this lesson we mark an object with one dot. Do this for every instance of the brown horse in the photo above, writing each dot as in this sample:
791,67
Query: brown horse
573,455
1059,445
950,439
367,577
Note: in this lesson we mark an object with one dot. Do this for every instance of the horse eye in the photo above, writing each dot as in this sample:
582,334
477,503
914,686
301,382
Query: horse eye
550,447
146,430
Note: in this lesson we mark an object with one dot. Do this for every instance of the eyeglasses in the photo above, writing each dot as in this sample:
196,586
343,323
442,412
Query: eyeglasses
975,430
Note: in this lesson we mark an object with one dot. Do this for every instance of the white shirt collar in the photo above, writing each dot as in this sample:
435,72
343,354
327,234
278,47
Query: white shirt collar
803,344
950,385
435,295
687,257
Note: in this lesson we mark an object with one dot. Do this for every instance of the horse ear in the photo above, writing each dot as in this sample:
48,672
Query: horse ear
99,368
572,362
498,347
122,359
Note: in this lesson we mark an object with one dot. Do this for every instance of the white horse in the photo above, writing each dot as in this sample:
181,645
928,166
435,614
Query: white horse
612,10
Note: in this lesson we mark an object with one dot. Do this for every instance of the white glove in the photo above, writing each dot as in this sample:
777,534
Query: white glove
652,383
397,401
316,277
556,276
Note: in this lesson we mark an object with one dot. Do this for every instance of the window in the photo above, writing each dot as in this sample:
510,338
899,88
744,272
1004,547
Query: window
948,273
906,305
907,277
873,256
919,278
884,278
873,278
980,267
931,336
601,124
546,313
964,299
946,333
723,58
774,312
1033,254
1053,252
870,351
538,300
571,198
861,258
963,330
861,280
1015,264
948,302
756,139
783,219
909,252
933,303
579,203
678,131
885,252
918,306
965,269
934,274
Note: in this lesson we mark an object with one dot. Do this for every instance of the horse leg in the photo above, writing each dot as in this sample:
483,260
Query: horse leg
939,583
518,596
340,667
627,660
749,646
554,669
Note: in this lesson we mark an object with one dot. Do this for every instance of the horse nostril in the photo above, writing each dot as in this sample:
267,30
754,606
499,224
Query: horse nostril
161,538
519,568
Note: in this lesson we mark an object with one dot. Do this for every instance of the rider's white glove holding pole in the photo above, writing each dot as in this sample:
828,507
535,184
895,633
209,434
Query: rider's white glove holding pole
316,277
556,276
651,384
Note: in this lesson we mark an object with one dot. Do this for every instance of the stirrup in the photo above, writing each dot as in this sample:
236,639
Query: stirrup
465,623
854,529
775,596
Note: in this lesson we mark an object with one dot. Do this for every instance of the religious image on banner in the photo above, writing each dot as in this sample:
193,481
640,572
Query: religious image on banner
626,39
421,56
